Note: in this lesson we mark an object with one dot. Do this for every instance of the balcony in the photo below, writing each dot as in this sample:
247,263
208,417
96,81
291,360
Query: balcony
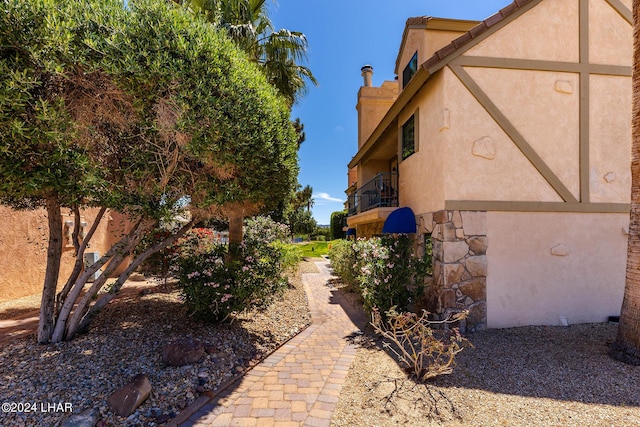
380,192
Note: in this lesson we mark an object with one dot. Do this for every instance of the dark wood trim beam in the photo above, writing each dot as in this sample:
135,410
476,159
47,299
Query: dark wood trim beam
539,65
500,206
513,133
622,10
585,86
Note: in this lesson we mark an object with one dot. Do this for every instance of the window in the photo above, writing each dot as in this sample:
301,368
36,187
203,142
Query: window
408,138
410,70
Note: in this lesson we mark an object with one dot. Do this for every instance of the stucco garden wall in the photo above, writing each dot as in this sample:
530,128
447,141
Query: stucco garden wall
544,266
23,248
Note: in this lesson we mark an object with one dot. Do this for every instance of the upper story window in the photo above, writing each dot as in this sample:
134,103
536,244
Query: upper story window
410,70
408,138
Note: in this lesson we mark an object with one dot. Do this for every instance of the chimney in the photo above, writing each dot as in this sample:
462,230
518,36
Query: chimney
367,73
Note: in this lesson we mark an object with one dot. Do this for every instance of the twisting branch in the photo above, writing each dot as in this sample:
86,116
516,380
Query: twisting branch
79,251
107,297
414,343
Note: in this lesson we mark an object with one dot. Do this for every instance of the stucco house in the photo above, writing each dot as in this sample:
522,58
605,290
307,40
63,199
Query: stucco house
509,139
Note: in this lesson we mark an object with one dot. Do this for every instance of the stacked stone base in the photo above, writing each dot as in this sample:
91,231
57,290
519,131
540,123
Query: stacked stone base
459,240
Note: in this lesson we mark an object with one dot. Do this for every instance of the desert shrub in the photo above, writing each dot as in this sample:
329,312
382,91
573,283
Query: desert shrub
343,259
388,272
427,352
215,285
262,230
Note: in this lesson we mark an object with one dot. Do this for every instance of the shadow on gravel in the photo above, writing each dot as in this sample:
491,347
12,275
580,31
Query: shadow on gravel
561,363
547,362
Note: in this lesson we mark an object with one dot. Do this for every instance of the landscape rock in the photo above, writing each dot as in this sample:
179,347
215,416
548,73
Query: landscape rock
125,400
182,352
87,418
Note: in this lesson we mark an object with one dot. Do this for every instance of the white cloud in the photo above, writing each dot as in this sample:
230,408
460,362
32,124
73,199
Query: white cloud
327,197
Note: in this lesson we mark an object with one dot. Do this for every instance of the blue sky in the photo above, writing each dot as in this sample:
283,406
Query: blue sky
343,36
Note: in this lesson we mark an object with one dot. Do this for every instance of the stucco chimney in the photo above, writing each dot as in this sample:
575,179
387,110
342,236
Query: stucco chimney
367,73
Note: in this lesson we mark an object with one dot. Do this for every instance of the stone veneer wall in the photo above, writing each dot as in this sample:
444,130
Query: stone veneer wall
459,263
369,229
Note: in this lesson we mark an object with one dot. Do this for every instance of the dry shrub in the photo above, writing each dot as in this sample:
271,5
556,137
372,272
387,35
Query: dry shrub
426,351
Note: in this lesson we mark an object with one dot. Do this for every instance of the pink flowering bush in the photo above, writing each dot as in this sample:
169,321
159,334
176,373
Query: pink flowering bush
388,272
213,288
343,259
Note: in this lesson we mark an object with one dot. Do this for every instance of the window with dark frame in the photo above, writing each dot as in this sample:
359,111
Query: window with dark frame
408,138
410,70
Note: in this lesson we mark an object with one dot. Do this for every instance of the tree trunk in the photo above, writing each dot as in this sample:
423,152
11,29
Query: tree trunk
83,315
54,255
67,306
235,235
80,249
626,348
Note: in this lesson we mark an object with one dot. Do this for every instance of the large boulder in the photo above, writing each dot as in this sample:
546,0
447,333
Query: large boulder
125,400
185,351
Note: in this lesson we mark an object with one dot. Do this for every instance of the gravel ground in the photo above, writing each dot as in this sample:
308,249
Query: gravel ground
125,340
529,376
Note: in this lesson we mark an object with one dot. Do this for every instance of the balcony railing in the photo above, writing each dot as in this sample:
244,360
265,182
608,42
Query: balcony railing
380,192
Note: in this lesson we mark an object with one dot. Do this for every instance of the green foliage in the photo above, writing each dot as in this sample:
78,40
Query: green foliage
135,109
314,249
297,211
158,264
321,234
337,221
179,111
213,289
388,272
278,53
343,262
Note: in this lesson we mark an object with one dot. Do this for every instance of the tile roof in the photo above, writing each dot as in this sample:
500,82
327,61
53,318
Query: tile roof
474,32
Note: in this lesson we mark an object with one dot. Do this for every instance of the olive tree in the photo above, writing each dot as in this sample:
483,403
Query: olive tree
139,110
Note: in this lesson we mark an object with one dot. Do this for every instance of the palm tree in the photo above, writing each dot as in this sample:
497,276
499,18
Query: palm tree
278,52
305,197
626,348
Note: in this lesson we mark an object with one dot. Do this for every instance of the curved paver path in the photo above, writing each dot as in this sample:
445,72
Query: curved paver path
299,384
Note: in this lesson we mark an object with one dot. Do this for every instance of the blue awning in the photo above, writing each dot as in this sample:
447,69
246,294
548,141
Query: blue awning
351,232
400,221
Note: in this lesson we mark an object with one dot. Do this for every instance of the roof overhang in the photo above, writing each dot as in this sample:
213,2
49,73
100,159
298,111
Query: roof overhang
438,61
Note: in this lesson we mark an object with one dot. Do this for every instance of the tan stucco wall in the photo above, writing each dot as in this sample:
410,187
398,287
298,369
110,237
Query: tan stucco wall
373,104
607,26
23,248
421,175
482,162
544,107
528,285
370,170
610,143
549,31
425,42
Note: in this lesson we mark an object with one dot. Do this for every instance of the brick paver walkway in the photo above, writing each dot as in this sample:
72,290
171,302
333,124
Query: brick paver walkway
299,384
